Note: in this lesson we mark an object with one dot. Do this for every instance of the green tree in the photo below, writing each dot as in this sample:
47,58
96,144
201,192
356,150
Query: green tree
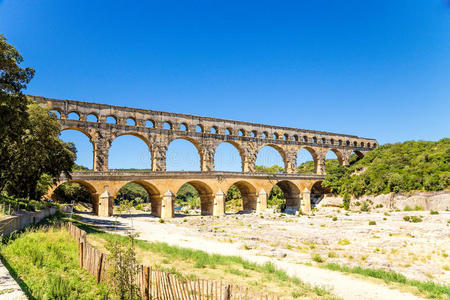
38,157
13,104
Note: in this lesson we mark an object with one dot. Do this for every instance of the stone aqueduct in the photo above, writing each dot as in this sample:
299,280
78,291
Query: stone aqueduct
158,129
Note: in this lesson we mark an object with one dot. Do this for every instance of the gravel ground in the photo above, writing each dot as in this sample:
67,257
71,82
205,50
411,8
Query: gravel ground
418,250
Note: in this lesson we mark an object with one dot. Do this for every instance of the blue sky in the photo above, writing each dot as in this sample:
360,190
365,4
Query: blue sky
376,69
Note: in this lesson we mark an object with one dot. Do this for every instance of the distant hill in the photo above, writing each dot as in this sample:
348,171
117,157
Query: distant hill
400,167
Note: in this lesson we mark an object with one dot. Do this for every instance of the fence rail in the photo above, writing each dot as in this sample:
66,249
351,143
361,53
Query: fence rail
156,284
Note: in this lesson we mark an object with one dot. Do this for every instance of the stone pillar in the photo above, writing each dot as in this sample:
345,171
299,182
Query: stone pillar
261,202
249,155
219,204
320,166
291,162
207,158
306,202
167,205
105,204
159,158
95,202
100,158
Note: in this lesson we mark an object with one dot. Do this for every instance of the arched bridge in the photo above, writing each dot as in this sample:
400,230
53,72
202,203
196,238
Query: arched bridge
158,129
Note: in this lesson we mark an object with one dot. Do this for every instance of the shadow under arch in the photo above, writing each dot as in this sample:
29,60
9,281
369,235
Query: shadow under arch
89,187
194,142
248,194
237,147
206,195
291,193
318,192
278,149
154,195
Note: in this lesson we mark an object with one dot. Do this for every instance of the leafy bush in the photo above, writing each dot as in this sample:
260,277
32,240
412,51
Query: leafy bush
372,223
434,212
365,206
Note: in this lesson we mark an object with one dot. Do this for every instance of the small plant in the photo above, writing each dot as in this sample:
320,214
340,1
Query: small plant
372,223
434,212
346,201
123,267
357,203
344,242
334,218
317,258
386,214
379,206
365,207
161,221
412,219
332,254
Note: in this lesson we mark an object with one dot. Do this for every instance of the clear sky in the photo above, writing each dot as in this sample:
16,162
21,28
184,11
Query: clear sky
378,69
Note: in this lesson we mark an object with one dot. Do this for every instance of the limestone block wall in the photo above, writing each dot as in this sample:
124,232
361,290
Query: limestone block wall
427,200
10,224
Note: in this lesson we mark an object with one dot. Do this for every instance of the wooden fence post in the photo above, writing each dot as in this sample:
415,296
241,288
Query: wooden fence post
99,267
226,292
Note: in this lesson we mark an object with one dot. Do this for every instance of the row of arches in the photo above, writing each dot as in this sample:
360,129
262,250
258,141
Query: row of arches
194,197
200,128
131,152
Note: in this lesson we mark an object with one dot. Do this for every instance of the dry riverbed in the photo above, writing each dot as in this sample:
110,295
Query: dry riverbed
417,250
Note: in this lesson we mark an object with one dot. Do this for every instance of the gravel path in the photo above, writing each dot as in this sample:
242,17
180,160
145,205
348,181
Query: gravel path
9,289
341,285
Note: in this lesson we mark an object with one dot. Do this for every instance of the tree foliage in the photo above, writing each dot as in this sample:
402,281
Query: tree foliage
38,158
400,167
132,191
72,191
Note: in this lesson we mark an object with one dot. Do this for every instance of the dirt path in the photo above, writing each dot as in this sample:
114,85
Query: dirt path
341,285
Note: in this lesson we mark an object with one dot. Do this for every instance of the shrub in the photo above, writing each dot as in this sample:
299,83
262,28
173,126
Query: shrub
317,258
365,206
372,223
415,208
161,221
334,218
434,212
122,268
346,202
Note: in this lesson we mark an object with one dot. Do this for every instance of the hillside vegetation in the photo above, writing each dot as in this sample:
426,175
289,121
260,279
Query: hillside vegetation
400,167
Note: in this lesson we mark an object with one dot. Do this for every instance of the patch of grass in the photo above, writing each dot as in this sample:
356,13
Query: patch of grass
45,263
203,260
429,288
334,218
372,223
344,242
434,212
412,219
415,208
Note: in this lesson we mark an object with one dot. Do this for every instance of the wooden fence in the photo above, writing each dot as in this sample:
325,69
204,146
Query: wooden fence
155,284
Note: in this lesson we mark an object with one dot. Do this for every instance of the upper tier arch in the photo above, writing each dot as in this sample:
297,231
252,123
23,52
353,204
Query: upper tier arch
249,137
